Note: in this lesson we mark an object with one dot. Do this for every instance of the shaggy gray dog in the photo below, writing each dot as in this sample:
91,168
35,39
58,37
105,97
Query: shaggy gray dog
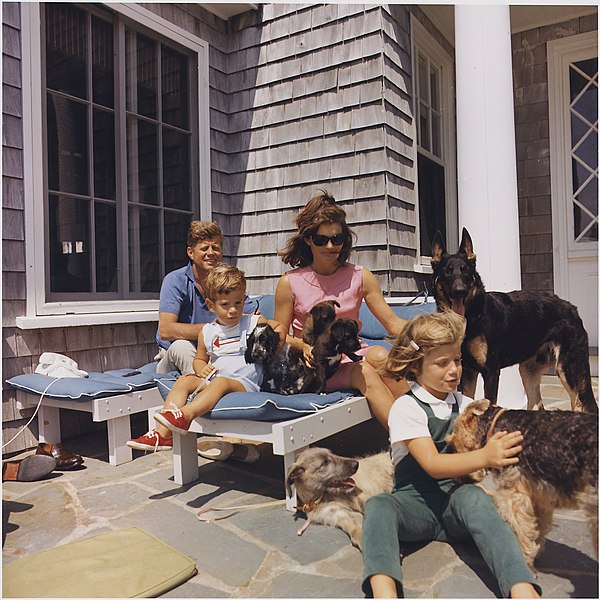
333,490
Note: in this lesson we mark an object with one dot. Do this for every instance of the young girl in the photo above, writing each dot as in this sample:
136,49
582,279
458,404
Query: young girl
426,503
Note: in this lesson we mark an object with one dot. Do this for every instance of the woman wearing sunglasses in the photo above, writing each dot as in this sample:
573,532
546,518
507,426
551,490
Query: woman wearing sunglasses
319,251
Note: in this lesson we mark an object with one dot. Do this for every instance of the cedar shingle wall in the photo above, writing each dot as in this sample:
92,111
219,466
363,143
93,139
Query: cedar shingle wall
301,97
530,75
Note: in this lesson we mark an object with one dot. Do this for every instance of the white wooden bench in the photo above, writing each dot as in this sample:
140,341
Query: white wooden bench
114,410
287,437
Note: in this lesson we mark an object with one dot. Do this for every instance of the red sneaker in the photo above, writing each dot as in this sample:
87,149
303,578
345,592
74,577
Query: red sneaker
151,441
173,419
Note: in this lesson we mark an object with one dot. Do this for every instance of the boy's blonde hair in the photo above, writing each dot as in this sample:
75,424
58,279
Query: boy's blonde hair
420,335
223,279
203,230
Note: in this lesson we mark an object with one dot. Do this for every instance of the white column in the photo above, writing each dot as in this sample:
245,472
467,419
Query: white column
487,165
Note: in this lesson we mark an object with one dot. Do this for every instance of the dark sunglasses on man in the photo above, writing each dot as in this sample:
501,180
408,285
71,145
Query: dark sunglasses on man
322,240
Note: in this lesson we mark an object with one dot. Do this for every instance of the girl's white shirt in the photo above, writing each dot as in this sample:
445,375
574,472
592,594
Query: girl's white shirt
407,420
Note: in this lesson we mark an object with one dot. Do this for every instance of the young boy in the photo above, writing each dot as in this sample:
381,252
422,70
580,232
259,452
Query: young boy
219,364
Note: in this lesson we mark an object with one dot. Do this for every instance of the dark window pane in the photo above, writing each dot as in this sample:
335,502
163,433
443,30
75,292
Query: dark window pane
142,74
578,129
66,49
576,83
582,220
106,247
102,62
174,71
67,146
587,105
142,161
588,150
589,66
176,227
104,154
68,222
176,169
432,202
144,256
588,196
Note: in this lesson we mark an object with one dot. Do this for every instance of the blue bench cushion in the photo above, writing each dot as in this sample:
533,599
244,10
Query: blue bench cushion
95,385
372,331
263,406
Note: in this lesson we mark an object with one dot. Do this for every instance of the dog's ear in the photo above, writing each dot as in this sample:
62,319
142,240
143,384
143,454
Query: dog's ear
293,473
466,245
479,407
437,249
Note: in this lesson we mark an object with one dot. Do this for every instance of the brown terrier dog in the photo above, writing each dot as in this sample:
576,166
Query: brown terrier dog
557,468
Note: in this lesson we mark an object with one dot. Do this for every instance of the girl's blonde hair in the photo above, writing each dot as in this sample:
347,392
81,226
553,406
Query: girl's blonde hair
223,279
420,335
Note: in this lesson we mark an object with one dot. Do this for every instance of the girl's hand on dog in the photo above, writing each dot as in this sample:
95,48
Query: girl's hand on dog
502,448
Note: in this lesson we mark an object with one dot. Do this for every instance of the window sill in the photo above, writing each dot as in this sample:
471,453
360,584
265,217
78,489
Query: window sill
422,268
82,320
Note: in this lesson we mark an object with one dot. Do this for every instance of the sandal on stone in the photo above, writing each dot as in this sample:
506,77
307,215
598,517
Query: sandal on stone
247,453
32,468
220,450
214,450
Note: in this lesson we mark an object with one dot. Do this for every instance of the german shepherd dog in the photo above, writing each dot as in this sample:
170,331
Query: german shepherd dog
535,330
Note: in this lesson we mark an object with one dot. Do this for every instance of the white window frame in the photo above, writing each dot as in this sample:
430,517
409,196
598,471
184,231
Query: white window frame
421,38
39,312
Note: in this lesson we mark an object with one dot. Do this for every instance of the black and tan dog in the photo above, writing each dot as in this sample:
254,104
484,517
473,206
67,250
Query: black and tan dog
557,468
536,330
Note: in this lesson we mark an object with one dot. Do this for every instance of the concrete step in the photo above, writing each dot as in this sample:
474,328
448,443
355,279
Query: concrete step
555,395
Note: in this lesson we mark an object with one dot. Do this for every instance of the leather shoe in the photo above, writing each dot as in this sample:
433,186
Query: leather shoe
65,459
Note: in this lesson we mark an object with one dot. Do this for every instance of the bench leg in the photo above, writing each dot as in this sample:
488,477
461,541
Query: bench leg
119,431
49,424
185,458
290,501
151,412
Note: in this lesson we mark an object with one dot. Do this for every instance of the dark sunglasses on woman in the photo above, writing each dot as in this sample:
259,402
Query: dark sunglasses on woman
321,240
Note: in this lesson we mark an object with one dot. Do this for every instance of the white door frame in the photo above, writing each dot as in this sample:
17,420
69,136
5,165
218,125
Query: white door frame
560,53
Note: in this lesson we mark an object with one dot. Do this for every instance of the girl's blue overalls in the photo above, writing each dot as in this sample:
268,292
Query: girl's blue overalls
422,508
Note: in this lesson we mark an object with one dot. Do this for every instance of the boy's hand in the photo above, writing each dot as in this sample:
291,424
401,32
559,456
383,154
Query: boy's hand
502,448
207,371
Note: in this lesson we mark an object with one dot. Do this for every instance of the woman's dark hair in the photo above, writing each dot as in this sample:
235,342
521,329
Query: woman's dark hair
320,209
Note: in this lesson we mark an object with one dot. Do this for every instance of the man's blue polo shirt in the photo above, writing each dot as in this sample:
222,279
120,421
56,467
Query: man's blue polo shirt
179,295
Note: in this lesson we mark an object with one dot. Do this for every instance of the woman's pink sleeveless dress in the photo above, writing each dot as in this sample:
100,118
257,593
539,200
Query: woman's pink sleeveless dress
344,286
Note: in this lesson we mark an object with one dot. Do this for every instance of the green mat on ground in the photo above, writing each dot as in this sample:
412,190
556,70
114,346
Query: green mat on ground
129,563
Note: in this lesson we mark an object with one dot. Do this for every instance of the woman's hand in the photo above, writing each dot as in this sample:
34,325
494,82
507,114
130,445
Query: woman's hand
308,356
502,448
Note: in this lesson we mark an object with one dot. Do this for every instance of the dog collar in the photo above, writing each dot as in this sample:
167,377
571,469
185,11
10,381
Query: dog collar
490,430
306,508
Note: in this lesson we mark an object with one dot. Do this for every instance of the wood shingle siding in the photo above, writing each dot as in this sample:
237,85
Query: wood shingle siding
302,96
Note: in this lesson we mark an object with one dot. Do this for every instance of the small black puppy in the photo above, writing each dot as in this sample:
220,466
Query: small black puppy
341,337
321,316
284,371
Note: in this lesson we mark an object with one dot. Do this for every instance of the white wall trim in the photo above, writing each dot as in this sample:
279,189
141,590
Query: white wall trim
35,276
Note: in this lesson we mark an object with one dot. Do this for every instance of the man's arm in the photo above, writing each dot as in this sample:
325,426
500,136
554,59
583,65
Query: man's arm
170,329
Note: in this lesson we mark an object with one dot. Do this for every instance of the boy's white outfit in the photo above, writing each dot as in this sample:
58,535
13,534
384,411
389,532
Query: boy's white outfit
226,347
